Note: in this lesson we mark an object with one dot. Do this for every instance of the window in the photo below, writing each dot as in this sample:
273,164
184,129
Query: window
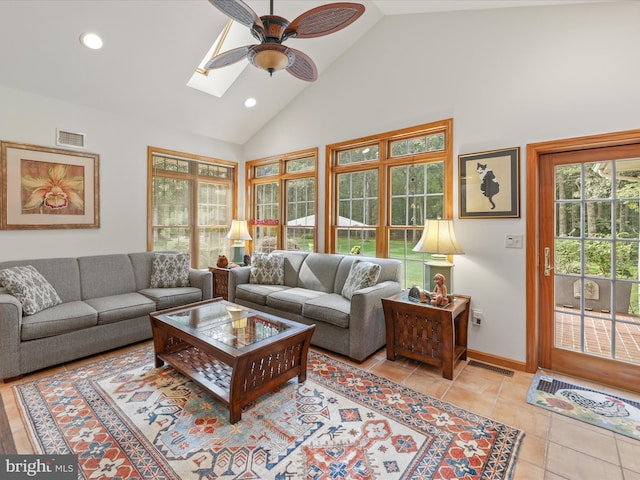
383,187
358,203
191,204
283,201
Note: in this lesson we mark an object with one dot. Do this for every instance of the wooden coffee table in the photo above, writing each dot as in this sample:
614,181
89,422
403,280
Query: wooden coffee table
236,353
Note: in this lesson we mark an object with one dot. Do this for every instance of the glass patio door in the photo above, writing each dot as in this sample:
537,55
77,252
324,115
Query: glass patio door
589,244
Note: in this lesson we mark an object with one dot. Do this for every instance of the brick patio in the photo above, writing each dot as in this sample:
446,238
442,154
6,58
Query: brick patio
597,333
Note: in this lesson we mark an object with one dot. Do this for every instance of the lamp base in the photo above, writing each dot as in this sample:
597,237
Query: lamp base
438,264
237,253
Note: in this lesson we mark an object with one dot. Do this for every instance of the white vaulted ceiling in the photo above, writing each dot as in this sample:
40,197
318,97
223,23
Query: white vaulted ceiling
152,47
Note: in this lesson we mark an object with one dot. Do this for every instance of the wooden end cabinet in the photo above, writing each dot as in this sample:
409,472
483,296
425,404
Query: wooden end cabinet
220,282
433,335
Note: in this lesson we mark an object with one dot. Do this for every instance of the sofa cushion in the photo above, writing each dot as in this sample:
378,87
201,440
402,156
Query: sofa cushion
63,318
142,263
292,300
121,307
292,262
172,297
267,269
62,273
318,272
106,275
330,308
391,270
170,270
257,293
33,291
361,275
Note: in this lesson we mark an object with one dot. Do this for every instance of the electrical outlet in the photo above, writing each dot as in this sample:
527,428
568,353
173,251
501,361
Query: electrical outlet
476,317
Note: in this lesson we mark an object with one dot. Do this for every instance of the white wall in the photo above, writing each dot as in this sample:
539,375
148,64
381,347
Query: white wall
122,145
507,77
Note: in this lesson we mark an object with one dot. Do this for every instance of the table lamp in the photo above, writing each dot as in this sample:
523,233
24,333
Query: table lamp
239,233
438,239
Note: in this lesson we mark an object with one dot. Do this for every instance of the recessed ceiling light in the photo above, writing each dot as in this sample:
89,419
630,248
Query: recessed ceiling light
91,40
250,102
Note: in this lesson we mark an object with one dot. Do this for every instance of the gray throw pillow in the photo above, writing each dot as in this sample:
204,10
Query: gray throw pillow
170,270
361,275
31,289
267,269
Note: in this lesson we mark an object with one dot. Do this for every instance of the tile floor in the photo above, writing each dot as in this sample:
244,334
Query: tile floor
554,447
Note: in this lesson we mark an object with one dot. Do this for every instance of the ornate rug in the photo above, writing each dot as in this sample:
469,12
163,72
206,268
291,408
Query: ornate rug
615,413
127,420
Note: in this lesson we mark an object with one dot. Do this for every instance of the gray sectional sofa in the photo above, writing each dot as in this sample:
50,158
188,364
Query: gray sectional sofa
106,301
311,292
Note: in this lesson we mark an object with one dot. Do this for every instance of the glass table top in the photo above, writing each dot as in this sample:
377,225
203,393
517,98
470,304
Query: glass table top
229,324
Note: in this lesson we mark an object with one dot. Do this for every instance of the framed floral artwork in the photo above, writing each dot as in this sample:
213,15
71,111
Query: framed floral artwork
47,188
490,184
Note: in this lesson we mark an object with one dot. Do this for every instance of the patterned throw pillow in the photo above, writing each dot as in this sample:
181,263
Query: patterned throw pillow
28,285
267,269
361,275
170,270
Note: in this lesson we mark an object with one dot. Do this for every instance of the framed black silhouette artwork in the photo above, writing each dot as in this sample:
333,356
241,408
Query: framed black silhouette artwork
490,184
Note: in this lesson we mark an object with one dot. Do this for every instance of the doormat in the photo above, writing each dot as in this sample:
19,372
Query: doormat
126,419
603,409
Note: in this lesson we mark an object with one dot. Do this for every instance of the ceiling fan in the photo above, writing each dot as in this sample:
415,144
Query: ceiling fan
271,30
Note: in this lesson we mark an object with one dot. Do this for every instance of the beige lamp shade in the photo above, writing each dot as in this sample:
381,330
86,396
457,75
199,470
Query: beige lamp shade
439,238
239,230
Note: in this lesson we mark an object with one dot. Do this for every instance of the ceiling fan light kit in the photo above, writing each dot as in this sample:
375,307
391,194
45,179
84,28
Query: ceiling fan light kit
271,30
270,59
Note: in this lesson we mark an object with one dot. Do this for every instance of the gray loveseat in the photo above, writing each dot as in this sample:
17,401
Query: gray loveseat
106,301
311,293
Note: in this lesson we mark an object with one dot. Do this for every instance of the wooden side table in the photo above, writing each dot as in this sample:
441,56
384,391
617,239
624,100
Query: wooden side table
433,335
220,282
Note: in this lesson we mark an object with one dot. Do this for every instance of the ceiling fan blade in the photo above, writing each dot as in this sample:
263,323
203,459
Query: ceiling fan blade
227,58
324,20
240,12
303,67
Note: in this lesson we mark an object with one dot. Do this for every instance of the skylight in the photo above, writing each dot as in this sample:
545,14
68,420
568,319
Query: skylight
217,82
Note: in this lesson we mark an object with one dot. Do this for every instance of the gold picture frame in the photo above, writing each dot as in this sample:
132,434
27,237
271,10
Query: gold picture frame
48,188
490,184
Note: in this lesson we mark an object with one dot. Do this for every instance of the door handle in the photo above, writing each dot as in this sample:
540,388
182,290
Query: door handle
547,262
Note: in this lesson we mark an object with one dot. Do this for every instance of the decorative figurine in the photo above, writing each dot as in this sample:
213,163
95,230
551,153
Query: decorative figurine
439,295
247,259
222,262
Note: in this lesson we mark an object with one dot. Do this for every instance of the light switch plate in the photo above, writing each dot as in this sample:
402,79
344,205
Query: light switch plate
513,241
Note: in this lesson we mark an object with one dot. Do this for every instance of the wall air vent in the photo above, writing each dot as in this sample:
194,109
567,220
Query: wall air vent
69,139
